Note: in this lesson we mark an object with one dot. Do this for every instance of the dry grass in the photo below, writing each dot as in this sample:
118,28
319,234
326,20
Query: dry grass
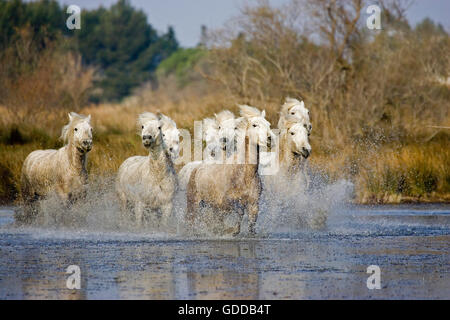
411,173
40,85
372,99
381,173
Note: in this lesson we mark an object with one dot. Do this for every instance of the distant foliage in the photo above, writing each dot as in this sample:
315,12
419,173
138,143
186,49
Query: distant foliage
124,46
118,41
362,86
46,18
40,82
181,64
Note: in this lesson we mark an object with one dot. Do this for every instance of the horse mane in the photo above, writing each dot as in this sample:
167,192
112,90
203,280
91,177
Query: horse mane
67,130
166,122
289,121
289,103
208,123
224,115
145,117
248,111
241,123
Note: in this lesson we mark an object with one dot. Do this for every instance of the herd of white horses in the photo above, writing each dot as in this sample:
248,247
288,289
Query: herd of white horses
227,180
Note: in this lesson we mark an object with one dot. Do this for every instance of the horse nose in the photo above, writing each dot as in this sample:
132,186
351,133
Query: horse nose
306,152
171,149
87,143
147,137
269,141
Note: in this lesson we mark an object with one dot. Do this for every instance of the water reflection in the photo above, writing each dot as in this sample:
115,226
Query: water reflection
414,259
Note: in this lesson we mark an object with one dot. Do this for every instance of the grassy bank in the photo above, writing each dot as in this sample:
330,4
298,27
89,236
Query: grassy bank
384,173
375,98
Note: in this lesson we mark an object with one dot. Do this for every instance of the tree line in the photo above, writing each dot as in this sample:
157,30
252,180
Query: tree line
118,41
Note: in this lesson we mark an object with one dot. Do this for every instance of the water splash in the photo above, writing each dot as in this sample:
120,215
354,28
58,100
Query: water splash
290,207
279,212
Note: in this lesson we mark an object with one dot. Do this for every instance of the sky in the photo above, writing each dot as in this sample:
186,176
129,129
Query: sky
187,16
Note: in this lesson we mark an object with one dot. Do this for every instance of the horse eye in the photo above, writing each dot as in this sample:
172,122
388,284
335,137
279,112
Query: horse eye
219,128
254,126
235,128
159,128
142,127
305,126
292,133
292,113
76,129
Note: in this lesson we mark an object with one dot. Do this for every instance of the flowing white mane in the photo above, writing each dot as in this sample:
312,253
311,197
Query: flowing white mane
290,121
166,122
249,112
223,116
209,123
145,117
289,103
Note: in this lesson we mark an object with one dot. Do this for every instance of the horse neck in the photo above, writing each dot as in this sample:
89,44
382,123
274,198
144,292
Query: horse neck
77,160
283,150
288,161
160,160
248,150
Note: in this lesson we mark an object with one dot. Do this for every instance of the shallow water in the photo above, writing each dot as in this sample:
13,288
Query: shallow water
410,243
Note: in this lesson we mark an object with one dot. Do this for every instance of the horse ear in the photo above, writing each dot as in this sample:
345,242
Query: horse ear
263,113
159,115
89,118
70,116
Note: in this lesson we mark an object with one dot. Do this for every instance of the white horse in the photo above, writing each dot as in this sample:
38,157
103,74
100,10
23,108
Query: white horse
285,190
62,171
210,134
257,127
234,187
294,150
212,149
220,135
150,182
294,108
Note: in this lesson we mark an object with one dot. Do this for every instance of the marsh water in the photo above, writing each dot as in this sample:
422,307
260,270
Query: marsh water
410,244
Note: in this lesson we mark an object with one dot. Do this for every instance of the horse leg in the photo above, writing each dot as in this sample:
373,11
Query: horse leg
191,208
123,205
252,211
306,177
236,229
192,200
29,197
139,213
166,214
241,212
28,213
